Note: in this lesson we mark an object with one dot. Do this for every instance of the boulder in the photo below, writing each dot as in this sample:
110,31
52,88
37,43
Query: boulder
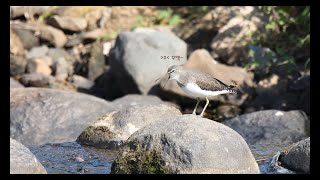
271,126
137,59
297,156
135,100
185,144
40,115
112,129
96,64
74,24
230,44
17,65
15,84
22,161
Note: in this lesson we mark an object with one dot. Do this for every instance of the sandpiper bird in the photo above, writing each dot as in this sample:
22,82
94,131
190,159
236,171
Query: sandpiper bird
198,84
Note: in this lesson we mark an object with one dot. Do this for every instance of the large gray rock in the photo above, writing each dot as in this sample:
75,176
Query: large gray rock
271,126
136,59
186,144
114,128
40,115
22,161
15,84
135,100
297,157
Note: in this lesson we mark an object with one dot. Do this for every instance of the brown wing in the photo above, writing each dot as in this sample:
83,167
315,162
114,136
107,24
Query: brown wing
210,83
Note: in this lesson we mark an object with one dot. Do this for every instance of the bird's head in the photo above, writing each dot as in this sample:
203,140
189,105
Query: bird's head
172,72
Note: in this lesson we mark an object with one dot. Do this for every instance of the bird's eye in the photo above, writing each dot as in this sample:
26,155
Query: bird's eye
172,70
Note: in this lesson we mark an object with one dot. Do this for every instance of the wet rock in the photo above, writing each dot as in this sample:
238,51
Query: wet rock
17,65
22,161
185,144
271,126
136,59
135,100
96,64
230,44
38,66
35,80
201,61
112,129
15,84
72,158
82,82
62,69
28,39
40,115
16,46
68,23
16,11
297,157
37,52
48,33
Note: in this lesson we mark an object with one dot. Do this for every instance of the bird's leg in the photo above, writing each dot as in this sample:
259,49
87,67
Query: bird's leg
204,107
194,111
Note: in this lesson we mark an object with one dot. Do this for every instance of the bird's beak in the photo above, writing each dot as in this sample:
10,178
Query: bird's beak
166,81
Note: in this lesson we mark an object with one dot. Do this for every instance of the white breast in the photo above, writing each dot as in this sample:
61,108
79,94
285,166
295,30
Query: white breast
194,90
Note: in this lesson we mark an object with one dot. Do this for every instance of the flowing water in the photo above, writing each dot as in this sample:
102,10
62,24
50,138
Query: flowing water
73,158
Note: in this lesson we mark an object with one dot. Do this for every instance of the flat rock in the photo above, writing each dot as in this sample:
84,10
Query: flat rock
137,59
112,129
297,157
68,23
40,115
230,44
271,126
185,144
15,84
22,161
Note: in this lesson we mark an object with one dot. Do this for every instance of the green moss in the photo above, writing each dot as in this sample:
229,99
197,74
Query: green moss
140,161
